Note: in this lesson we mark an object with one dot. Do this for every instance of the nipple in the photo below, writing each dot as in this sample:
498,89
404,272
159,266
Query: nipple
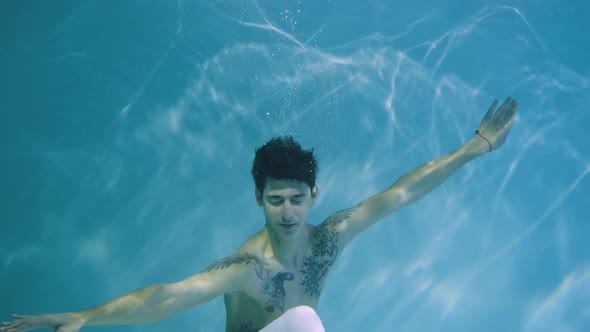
270,308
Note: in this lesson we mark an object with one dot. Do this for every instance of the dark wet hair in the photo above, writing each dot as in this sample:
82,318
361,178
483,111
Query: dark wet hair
283,158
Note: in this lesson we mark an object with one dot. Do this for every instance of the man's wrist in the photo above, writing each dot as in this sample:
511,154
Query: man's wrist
487,140
86,316
478,146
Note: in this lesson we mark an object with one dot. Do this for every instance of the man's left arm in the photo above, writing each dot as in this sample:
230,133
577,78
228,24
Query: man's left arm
412,186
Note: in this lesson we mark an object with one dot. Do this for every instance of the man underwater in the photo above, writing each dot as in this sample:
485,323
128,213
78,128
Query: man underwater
274,280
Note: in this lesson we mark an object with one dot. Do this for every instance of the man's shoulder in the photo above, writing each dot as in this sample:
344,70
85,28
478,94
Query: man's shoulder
253,246
242,257
233,261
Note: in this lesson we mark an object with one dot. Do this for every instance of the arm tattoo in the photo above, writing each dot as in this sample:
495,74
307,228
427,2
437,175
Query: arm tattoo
226,262
273,286
324,253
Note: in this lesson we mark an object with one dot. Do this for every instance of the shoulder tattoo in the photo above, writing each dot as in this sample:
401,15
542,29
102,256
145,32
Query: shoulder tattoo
338,217
226,262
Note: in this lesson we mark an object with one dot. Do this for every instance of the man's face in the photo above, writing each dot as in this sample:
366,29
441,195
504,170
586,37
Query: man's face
286,204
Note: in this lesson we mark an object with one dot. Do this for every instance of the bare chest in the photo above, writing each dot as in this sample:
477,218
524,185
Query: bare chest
272,289
303,284
269,293
276,289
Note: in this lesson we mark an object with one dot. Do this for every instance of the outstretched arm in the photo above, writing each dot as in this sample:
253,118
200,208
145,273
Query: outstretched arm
412,186
148,304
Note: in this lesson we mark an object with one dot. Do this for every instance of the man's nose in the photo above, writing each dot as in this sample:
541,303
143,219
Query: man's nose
288,213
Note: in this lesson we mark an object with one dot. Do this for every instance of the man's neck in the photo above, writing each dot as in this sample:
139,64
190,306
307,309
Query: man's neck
288,251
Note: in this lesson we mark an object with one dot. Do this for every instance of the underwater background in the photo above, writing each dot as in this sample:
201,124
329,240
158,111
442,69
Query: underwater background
129,127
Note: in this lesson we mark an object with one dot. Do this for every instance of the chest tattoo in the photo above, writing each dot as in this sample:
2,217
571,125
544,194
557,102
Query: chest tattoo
314,269
248,327
273,286
323,253
271,283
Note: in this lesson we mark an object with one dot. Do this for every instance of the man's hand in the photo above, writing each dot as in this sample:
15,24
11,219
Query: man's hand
495,126
66,322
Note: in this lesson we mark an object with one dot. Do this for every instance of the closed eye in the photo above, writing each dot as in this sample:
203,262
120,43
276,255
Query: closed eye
296,201
275,201
279,200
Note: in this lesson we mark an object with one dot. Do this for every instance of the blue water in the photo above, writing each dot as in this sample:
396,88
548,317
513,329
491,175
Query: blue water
128,130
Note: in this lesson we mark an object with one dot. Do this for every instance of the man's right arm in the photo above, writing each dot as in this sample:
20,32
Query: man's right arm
151,303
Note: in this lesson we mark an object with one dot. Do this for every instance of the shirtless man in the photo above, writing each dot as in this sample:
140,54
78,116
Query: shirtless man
275,278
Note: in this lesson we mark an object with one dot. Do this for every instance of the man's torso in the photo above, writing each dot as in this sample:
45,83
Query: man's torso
270,288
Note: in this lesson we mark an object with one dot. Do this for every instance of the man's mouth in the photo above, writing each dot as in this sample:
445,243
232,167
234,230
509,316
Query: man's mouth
287,226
